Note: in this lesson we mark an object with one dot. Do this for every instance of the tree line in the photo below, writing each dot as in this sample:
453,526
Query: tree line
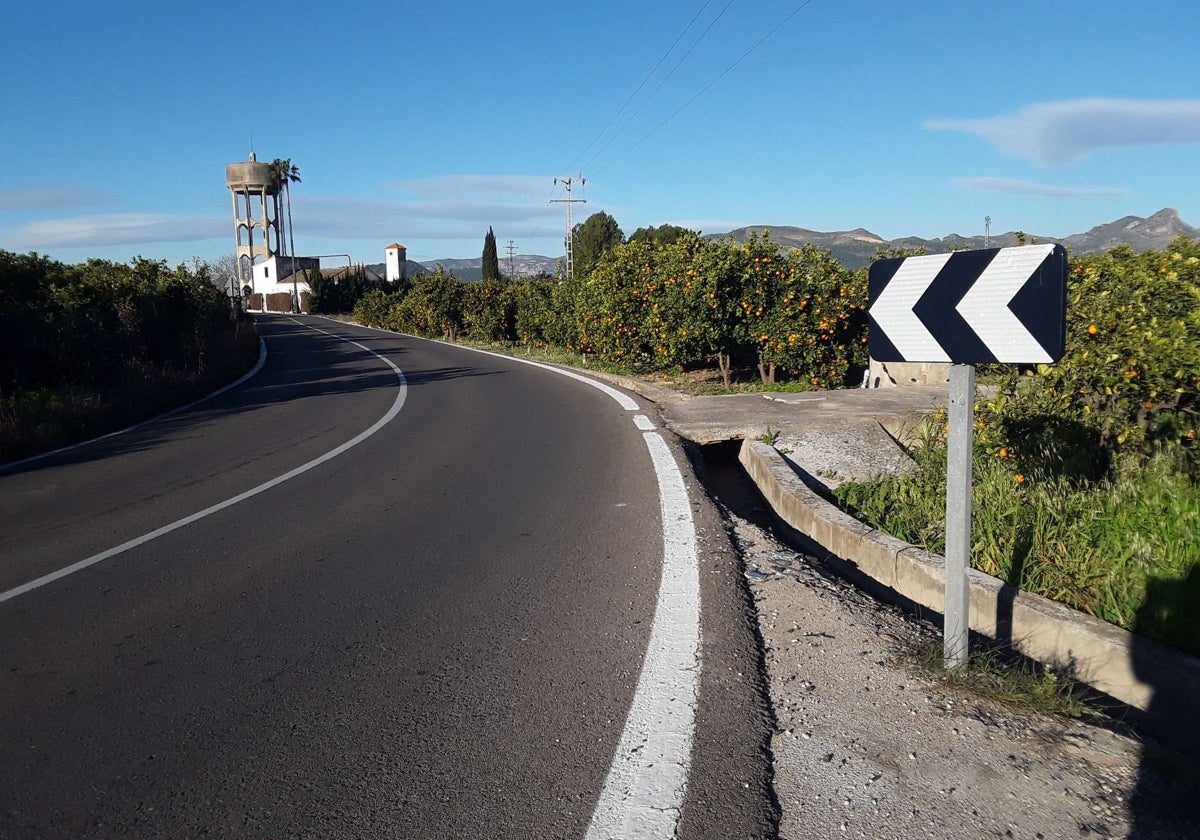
664,298
85,346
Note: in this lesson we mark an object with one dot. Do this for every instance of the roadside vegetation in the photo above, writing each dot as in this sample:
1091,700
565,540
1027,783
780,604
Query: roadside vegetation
88,349
676,306
1087,472
1007,678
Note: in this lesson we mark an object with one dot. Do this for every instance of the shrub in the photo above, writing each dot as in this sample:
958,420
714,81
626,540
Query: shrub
1130,378
372,308
489,310
432,306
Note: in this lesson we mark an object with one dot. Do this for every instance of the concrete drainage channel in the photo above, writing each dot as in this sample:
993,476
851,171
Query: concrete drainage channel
869,745
1159,682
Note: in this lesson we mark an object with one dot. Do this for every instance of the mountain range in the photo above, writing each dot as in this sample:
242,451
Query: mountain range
855,248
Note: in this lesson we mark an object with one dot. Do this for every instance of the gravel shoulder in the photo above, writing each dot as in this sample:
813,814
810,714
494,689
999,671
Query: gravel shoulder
867,745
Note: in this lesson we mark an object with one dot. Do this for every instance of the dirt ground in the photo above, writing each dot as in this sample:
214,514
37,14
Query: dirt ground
868,745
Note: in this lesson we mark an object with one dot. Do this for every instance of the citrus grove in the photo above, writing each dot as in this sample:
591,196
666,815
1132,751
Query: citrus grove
648,306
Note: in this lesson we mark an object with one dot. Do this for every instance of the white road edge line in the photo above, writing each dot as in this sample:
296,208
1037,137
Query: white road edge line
643,422
644,791
262,360
241,497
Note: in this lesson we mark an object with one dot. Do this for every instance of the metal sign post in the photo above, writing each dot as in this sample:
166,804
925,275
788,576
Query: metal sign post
1003,305
960,447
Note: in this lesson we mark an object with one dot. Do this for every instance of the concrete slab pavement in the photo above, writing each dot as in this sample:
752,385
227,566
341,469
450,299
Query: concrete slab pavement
713,419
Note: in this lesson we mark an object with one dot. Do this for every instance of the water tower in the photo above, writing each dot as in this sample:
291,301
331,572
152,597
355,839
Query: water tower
255,215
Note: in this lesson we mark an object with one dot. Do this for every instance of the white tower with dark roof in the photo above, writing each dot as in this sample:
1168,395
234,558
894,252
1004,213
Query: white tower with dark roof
395,256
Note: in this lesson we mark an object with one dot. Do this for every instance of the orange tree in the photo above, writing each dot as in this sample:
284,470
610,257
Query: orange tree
658,305
433,305
371,309
687,302
1130,377
532,311
612,306
804,313
489,310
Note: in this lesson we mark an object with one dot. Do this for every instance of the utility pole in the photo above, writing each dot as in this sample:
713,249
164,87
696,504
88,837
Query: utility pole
567,182
987,231
512,274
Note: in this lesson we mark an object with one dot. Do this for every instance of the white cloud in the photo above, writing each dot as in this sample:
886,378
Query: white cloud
51,197
1059,133
447,207
1015,187
509,186
448,218
453,208
113,229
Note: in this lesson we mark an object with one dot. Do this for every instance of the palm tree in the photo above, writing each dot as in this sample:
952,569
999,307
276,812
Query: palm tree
286,173
278,175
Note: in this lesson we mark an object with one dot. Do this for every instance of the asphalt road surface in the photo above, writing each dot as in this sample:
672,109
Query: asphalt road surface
349,600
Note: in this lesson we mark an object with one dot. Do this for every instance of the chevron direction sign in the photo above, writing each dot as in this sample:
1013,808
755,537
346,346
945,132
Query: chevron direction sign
970,307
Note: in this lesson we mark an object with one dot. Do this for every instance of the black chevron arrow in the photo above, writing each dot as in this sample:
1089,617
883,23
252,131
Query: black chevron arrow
1041,305
937,312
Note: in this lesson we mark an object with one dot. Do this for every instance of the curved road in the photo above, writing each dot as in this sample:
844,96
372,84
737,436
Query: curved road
436,632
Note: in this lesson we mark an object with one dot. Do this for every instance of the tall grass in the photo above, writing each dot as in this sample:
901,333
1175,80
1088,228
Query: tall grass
1098,546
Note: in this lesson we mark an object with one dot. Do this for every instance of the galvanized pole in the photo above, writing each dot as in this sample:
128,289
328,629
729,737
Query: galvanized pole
570,238
958,513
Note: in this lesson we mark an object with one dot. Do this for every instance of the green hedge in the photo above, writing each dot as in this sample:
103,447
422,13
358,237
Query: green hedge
88,348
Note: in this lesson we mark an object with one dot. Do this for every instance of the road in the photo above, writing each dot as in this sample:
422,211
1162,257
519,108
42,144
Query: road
384,588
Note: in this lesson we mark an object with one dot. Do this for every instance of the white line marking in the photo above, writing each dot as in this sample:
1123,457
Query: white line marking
241,497
643,793
262,360
643,422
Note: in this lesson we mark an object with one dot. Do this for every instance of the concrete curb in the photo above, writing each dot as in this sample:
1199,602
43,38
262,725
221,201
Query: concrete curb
1127,667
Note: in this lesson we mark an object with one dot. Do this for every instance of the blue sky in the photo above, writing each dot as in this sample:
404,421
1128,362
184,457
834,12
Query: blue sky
425,123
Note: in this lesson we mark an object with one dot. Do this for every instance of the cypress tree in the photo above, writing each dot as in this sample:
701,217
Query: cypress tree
491,260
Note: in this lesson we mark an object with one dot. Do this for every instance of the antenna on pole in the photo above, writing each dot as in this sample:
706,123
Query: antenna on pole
987,231
568,182
511,271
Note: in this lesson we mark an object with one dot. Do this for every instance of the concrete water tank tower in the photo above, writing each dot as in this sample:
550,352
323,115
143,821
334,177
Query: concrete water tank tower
255,218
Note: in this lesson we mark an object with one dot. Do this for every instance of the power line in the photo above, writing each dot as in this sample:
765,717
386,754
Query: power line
649,75
706,88
545,212
665,79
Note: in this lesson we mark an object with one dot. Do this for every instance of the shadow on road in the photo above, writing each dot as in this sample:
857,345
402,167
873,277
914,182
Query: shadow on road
293,371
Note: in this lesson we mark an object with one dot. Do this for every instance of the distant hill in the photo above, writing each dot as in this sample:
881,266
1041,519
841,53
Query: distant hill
1140,234
855,248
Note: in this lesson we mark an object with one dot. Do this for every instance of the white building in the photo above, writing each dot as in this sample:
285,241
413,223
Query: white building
395,257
